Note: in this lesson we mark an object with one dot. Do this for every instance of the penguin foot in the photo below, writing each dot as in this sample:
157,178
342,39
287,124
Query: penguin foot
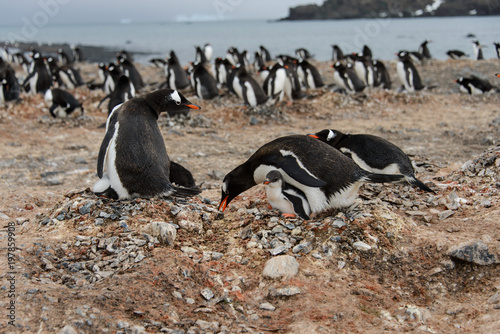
289,215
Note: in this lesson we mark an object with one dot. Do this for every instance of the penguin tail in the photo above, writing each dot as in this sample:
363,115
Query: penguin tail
383,178
184,191
416,182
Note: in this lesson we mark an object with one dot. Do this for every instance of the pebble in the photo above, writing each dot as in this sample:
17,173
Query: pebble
207,293
281,266
284,292
445,214
267,306
165,232
362,246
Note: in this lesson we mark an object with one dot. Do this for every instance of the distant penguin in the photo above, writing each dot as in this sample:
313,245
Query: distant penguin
21,60
222,68
124,90
456,54
39,79
258,61
133,160
291,65
364,69
288,199
346,78
61,103
112,74
77,53
63,57
277,83
373,154
367,52
497,49
266,55
303,53
327,177
66,75
203,82
247,88
9,85
337,53
477,50
423,49
473,85
233,56
177,77
382,77
200,55
309,75
208,51
407,73
128,69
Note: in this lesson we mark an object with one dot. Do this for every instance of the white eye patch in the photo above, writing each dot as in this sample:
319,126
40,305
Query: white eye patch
176,97
331,135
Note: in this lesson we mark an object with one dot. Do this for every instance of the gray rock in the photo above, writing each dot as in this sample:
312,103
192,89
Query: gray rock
281,266
246,233
68,329
165,232
267,307
495,299
473,251
362,246
284,292
207,293
445,214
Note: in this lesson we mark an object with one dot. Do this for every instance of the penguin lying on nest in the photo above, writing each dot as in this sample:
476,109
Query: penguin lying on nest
133,160
373,154
326,177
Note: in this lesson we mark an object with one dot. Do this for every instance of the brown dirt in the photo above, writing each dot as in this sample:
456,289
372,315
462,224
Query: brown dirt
402,285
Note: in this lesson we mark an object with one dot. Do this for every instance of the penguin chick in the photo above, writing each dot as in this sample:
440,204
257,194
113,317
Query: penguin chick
133,160
373,154
288,199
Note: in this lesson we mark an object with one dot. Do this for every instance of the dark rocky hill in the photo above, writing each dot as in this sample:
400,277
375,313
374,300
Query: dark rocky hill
350,9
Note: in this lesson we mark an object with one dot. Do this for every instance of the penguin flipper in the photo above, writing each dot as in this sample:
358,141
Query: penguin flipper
298,206
297,171
181,175
181,191
103,151
104,99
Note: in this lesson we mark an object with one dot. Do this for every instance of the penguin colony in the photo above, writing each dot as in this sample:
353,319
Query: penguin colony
303,174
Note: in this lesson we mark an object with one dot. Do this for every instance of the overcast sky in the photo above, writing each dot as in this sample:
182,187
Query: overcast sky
93,11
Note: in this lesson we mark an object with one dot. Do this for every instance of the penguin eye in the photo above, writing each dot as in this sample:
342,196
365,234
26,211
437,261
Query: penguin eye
178,102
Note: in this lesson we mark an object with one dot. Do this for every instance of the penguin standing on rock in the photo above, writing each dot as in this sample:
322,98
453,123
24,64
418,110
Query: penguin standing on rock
288,199
328,178
133,160
61,103
373,154
407,73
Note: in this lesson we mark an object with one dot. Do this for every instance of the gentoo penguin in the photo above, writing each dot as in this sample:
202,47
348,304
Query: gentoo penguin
158,62
258,61
367,52
309,75
266,55
9,85
382,77
203,82
177,77
21,60
497,49
337,53
61,103
133,160
208,51
407,73
328,178
63,57
456,54
39,79
288,199
277,83
364,69
233,56
65,75
77,53
222,68
346,78
124,90
424,50
373,154
477,50
247,88
200,55
128,69
303,53
112,74
473,85
291,65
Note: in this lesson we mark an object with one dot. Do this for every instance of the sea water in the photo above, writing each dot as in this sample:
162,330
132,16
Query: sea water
385,36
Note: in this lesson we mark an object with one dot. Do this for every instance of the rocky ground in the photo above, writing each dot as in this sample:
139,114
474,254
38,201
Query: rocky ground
399,260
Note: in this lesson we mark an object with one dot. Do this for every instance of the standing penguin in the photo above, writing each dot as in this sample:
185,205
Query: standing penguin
373,154
222,68
39,79
77,53
203,82
309,75
63,57
303,53
61,103
247,88
9,85
288,199
177,77
477,50
130,71
65,75
382,77
133,160
208,51
346,78
364,69
337,54
266,55
124,90
423,49
407,73
200,55
277,83
328,178
497,49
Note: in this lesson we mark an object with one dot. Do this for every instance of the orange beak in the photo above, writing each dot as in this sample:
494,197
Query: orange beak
223,204
266,182
193,106
498,75
314,136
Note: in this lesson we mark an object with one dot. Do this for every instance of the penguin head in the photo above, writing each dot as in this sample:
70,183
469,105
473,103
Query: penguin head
234,183
170,101
274,179
498,75
460,80
329,136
